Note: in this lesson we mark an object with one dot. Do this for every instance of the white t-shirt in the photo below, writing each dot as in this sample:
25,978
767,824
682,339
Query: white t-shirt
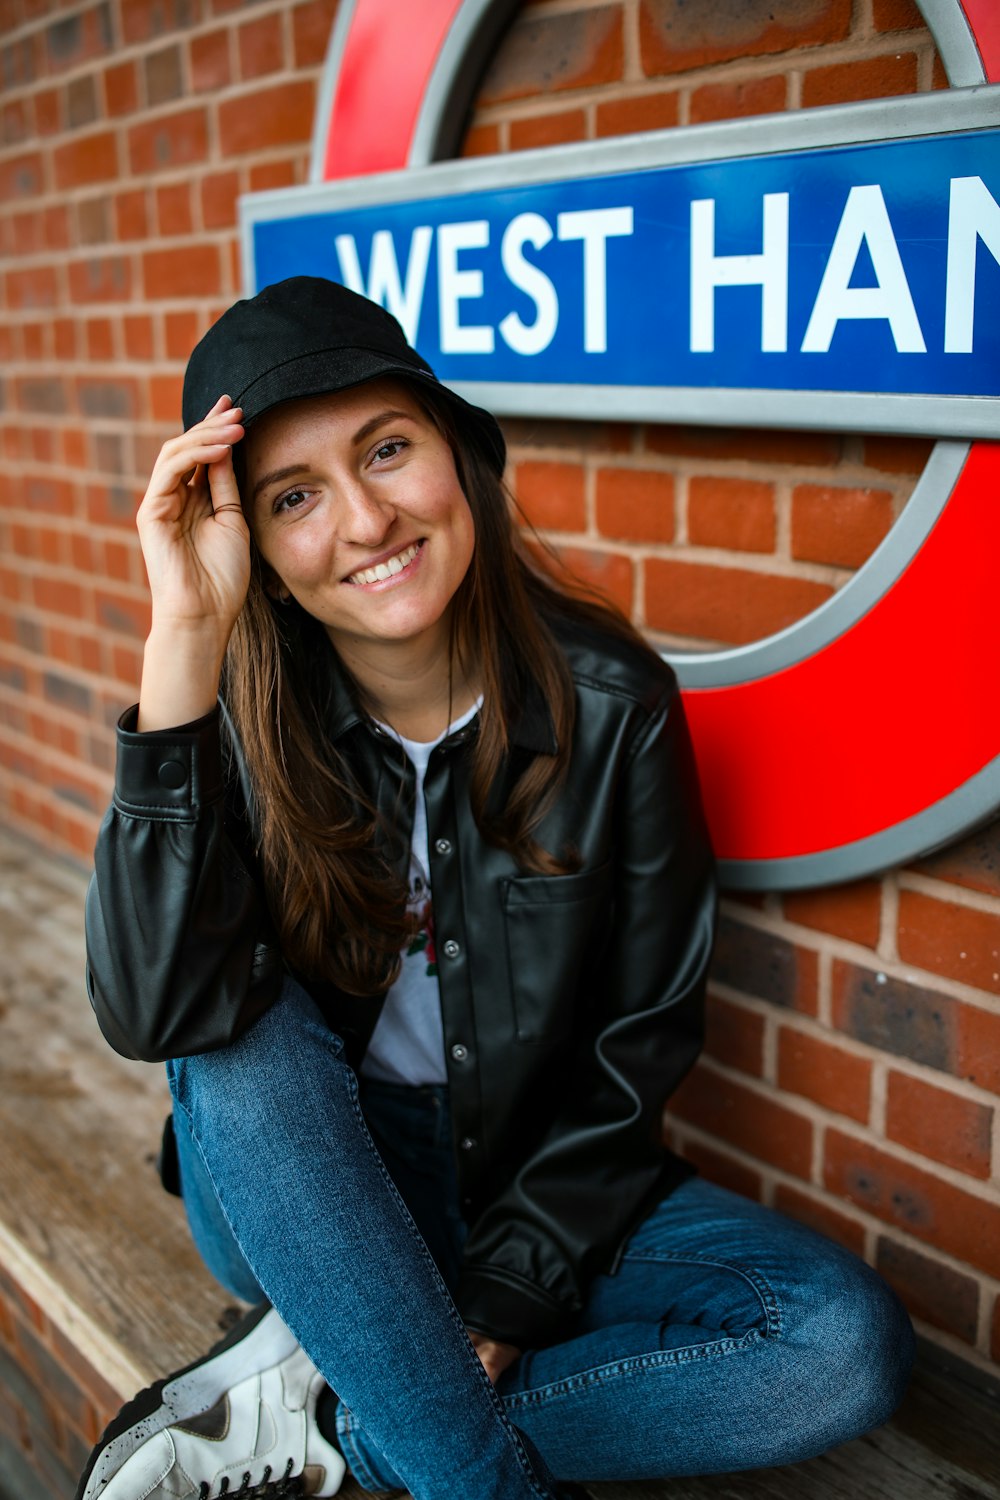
407,1045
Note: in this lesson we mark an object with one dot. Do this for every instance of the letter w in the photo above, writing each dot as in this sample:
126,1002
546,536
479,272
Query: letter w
385,285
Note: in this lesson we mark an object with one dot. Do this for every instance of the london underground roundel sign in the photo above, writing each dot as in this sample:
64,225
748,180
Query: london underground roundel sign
834,268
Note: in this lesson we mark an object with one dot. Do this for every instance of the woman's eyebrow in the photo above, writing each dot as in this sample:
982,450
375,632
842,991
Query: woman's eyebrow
373,422
275,477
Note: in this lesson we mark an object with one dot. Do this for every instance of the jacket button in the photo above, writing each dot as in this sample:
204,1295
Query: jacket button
172,774
451,949
459,1052
443,846
467,1143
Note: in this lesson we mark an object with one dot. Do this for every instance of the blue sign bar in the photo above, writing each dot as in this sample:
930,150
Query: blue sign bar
871,268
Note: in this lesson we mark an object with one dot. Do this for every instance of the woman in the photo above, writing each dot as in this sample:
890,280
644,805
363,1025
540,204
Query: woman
420,921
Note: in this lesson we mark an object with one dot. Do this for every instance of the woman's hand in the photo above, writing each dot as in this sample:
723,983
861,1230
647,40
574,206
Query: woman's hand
495,1356
194,537
196,547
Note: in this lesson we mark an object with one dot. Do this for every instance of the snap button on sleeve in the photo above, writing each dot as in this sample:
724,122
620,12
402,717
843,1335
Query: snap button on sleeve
451,949
443,846
459,1052
467,1143
172,775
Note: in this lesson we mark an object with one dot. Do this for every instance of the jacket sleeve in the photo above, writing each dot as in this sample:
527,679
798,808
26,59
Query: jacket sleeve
178,959
601,1164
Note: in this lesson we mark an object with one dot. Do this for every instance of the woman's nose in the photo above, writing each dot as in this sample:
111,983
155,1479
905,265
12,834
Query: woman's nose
365,518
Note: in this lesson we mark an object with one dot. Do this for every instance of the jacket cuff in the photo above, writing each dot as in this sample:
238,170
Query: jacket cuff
510,1310
170,773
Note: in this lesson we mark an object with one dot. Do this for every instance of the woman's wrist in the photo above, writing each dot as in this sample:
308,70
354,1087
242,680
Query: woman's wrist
181,669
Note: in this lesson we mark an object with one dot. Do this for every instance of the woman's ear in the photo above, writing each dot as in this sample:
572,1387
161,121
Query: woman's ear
273,586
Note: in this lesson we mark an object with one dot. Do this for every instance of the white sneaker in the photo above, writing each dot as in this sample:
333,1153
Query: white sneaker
241,1421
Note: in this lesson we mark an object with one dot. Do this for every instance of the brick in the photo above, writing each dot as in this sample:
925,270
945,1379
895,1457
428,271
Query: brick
81,101
747,445
174,140
100,339
548,130
978,1046
995,1339
952,940
182,331
895,1016
93,218
636,116
897,15
633,505
34,340
132,218
675,36
312,24
590,437
34,286
260,46
481,140
730,101
831,524
763,964
551,495
219,194
716,1166
122,614
138,330
852,911
92,158
897,455
546,54
272,174
729,605
54,496
100,278
932,1291
819,1215
190,271
758,1124
267,118
828,1075
210,65
108,398
21,176
734,1035
864,78
611,574
947,1217
173,209
973,863
144,19
734,513
164,81
165,397
14,122
121,89
49,111
939,1124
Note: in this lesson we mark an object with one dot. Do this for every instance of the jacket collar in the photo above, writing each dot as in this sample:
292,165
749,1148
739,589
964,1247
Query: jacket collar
532,728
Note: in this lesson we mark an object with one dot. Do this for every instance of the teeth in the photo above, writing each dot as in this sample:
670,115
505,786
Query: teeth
387,569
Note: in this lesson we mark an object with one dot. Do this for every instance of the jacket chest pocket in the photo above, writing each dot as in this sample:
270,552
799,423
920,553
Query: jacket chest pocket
554,926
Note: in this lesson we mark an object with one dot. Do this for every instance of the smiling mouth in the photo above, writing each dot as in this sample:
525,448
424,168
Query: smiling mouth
387,569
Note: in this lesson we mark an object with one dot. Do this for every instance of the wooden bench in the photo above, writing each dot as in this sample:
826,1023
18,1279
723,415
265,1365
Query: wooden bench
101,1289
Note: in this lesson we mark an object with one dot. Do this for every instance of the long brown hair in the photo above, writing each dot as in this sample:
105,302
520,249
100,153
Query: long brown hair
330,871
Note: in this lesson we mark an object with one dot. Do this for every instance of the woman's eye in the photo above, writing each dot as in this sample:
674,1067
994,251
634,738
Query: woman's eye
388,449
290,499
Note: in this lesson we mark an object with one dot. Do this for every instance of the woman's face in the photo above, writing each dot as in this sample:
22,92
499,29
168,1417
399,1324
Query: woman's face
355,506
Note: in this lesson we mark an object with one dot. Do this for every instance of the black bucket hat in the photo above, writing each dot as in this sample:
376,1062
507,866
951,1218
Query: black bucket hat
306,337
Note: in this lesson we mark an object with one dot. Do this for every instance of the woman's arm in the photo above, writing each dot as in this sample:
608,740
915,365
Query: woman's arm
178,957
602,1163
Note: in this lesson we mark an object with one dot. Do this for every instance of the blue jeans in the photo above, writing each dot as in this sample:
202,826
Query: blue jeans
729,1337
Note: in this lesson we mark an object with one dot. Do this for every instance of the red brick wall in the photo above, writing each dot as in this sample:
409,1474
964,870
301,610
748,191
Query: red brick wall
853,1062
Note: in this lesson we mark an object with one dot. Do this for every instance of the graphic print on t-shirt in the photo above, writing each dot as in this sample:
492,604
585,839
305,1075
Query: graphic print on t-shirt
419,905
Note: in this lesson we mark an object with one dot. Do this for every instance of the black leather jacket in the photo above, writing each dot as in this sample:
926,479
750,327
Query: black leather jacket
572,1004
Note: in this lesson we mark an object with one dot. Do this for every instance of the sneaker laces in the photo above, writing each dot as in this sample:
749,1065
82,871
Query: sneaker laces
288,1484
